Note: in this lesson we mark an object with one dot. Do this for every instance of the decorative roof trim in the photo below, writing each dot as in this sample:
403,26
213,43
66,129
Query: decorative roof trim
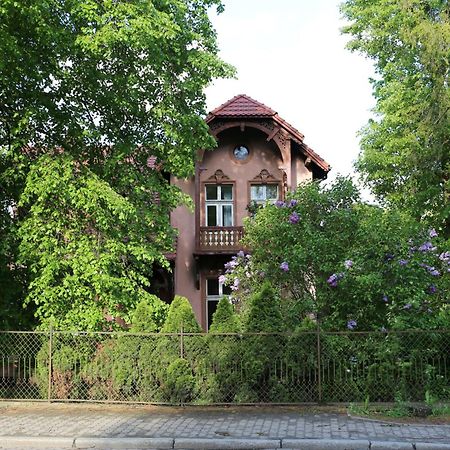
244,107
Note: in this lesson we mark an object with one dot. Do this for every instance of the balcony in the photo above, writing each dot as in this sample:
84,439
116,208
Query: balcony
219,239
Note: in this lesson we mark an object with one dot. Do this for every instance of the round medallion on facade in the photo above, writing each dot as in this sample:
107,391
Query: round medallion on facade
241,153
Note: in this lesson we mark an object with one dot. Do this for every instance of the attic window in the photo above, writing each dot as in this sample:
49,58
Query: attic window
241,152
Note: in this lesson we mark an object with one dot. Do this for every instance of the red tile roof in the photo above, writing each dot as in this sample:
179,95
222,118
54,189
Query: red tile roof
243,106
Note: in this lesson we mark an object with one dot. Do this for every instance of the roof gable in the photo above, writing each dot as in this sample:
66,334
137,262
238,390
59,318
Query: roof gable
244,107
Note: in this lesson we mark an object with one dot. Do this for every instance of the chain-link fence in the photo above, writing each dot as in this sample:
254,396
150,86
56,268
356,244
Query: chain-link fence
306,367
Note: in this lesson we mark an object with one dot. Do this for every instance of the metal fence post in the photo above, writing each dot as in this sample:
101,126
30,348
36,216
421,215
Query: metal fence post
50,342
319,365
181,343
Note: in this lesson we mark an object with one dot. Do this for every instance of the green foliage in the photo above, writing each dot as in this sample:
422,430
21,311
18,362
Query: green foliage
181,317
112,372
405,157
149,315
263,312
259,351
99,101
66,359
180,383
343,262
239,368
220,362
224,319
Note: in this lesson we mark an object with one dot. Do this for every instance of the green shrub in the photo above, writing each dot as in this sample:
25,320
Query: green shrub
180,316
113,371
260,353
149,315
221,363
68,362
224,320
179,385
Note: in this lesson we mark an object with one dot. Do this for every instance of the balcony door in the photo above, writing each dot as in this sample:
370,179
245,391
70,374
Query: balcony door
219,205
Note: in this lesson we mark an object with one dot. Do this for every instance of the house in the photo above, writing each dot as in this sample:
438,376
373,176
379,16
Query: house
258,158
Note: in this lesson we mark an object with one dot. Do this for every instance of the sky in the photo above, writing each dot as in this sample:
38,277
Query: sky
291,56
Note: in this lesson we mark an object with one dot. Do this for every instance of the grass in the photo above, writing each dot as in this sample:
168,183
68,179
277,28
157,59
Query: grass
405,411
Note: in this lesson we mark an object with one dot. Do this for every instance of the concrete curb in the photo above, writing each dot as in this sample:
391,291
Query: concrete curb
327,444
36,442
204,443
60,443
147,443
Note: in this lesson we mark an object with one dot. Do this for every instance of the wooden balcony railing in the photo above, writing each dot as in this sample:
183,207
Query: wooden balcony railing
220,239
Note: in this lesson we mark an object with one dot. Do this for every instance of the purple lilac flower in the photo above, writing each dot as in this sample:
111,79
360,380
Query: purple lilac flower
351,324
294,218
427,247
222,279
348,263
292,203
280,204
403,262
388,257
235,285
433,233
385,298
407,306
432,289
333,279
240,254
230,265
434,272
445,256
284,266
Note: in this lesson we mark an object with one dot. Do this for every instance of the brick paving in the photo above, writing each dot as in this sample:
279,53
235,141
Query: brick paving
75,420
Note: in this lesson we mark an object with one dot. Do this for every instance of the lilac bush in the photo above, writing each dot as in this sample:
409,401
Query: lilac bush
339,261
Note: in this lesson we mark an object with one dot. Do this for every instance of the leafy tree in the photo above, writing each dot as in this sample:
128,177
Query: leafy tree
351,265
100,99
405,157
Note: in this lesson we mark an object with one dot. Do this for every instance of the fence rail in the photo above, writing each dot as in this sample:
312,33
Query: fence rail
226,368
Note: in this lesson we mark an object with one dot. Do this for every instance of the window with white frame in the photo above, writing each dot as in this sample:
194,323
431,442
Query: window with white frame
214,292
219,205
262,193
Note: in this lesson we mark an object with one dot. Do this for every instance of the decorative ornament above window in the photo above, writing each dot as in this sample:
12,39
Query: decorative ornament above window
264,176
219,176
241,153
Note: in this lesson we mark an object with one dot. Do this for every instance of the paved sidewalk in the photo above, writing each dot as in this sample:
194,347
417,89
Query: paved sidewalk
41,425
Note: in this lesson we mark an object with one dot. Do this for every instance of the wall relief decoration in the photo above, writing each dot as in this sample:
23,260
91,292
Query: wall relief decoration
219,176
264,176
